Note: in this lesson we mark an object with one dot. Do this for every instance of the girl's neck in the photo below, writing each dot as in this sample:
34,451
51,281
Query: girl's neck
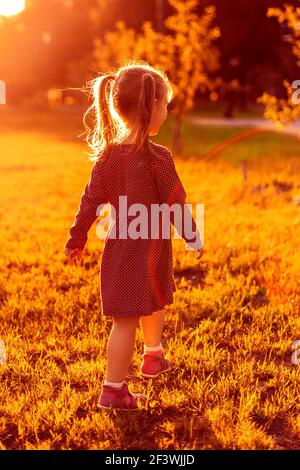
131,138
126,142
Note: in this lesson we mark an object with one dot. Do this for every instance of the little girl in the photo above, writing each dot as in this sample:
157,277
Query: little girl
136,273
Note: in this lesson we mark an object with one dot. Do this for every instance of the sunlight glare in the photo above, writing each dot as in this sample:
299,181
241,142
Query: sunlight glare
11,7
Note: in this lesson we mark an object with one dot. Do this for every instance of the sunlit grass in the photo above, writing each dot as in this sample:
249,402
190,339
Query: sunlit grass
228,333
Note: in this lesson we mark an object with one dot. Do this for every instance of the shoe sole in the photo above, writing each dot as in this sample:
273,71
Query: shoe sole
155,375
114,408
117,408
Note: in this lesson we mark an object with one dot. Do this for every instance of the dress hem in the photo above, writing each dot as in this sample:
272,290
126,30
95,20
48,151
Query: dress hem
142,314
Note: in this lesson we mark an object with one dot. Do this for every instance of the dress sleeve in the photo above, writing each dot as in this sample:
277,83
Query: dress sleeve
171,191
91,198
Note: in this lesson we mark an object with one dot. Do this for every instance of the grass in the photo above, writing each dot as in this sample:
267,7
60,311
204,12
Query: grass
228,333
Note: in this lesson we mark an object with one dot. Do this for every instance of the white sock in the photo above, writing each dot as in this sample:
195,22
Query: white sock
152,348
113,384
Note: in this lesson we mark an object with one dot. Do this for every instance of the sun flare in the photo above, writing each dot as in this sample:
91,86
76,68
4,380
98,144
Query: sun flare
11,7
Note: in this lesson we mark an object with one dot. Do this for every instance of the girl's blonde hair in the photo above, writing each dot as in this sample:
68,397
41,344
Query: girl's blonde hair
116,97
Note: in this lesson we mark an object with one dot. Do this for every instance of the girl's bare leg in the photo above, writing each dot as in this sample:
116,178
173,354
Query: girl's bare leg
120,347
152,327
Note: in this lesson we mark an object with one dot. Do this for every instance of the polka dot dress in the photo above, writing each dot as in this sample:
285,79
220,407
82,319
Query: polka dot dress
136,274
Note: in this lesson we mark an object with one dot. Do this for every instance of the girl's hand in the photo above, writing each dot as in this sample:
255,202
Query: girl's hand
73,255
200,253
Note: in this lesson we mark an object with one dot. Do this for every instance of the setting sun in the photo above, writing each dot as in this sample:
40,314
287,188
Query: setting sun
11,7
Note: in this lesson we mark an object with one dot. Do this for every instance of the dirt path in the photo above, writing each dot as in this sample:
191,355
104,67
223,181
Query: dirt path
292,129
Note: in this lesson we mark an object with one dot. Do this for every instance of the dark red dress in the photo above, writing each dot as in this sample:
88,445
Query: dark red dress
136,274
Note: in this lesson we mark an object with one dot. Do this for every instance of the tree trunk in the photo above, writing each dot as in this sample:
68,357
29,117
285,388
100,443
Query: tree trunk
177,143
244,170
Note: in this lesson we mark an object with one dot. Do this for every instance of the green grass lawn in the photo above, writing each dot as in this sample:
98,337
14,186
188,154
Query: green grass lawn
200,140
228,334
66,124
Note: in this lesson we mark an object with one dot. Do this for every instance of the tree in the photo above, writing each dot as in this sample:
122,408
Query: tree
186,53
254,54
285,110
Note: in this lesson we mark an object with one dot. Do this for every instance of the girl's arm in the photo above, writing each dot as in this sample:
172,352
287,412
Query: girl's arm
171,191
91,198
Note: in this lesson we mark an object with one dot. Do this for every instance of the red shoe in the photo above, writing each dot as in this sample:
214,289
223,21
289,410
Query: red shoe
121,398
154,364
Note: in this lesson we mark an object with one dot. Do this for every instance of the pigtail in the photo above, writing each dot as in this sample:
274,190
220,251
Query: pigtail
119,98
145,109
103,131
104,120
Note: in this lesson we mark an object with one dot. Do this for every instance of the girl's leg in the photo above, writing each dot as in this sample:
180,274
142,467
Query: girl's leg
120,347
152,327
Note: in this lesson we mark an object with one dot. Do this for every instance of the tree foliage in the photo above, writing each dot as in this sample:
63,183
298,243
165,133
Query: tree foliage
186,52
283,111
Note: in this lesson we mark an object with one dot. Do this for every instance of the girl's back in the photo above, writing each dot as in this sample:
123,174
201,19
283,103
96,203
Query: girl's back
126,172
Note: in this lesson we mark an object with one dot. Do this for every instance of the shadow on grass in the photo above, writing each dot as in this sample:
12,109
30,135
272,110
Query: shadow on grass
163,427
195,276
